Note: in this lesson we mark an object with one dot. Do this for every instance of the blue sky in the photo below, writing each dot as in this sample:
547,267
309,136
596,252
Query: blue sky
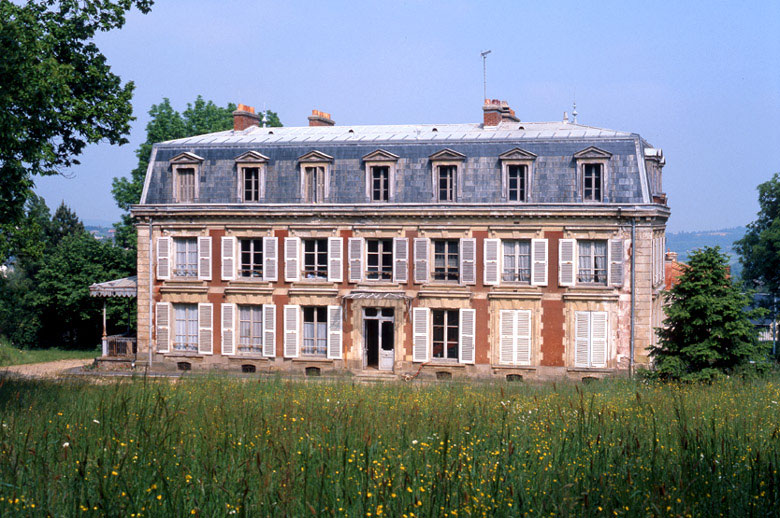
699,79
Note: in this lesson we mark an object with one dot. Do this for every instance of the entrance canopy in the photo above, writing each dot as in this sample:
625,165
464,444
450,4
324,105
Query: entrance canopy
127,287
378,295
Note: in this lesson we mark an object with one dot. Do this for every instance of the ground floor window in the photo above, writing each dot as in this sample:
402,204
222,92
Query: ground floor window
445,333
186,322
315,331
250,329
590,347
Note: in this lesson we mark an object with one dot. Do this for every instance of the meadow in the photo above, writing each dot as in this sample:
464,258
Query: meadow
219,447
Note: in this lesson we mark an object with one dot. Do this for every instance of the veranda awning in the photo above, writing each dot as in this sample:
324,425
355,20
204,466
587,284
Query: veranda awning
127,287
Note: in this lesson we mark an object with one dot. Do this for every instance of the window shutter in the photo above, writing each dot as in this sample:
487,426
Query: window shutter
566,251
163,258
581,338
598,340
466,342
292,268
523,337
355,252
421,246
292,326
334,332
420,323
468,261
539,260
401,260
506,351
492,248
270,259
204,258
228,258
163,327
335,259
228,329
269,330
205,328
616,262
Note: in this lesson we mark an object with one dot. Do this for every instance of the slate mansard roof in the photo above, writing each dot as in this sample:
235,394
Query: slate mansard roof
554,178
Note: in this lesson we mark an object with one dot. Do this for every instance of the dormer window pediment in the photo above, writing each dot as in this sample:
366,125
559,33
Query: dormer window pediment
315,156
252,157
447,154
592,152
380,155
186,158
517,154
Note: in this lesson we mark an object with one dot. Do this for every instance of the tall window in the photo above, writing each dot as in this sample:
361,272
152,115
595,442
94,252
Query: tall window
446,260
314,184
315,258
186,264
315,329
592,261
250,329
251,183
251,258
185,178
446,181
379,253
380,183
445,333
591,182
186,322
517,261
516,182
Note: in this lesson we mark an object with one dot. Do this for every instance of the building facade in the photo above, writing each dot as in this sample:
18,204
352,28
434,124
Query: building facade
486,250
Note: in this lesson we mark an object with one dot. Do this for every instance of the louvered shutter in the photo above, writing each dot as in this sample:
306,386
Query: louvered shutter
204,258
466,342
334,333
401,260
523,337
616,262
566,256
421,246
269,330
420,325
163,258
270,259
228,258
205,327
335,259
292,327
506,351
468,261
163,320
581,338
228,329
292,267
492,249
598,339
355,258
539,262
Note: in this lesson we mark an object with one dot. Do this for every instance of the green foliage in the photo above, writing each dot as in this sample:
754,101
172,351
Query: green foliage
11,356
707,331
759,249
57,92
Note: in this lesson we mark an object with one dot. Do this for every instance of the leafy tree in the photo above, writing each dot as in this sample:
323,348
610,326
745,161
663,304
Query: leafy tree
707,331
57,92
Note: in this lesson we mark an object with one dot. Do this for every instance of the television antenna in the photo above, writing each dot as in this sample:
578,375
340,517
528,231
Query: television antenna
484,72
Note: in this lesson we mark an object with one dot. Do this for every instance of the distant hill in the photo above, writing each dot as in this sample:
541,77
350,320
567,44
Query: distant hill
686,242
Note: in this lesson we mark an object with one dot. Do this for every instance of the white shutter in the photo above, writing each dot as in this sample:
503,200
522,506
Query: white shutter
228,258
616,262
292,329
523,337
421,246
566,256
204,258
400,260
355,258
420,325
163,258
467,331
468,261
581,338
228,329
334,333
269,330
598,339
205,327
491,249
270,259
292,260
335,259
539,262
163,321
506,325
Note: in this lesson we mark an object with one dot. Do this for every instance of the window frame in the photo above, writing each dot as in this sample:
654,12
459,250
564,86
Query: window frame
317,327
193,271
384,274
318,268
255,310
185,161
447,330
191,316
453,183
315,159
592,269
447,254
583,174
252,252
505,167
251,160
369,169
502,279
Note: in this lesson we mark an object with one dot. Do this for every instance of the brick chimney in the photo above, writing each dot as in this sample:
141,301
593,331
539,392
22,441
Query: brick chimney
318,118
244,117
495,112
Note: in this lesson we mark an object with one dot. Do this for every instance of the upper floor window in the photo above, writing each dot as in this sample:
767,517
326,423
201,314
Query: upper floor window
517,261
516,166
380,183
380,174
592,261
186,257
251,183
445,333
251,176
315,170
446,168
446,260
185,168
315,331
592,182
250,329
592,168
251,264
379,255
446,178
516,182
315,259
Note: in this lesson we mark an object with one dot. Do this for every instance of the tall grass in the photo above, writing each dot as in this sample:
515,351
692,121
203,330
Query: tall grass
9,355
216,447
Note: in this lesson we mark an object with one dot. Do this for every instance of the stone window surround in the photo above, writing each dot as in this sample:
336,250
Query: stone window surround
592,155
381,158
186,161
447,157
517,156
584,234
315,159
247,160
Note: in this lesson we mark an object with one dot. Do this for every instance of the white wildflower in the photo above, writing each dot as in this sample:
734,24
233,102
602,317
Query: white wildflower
65,444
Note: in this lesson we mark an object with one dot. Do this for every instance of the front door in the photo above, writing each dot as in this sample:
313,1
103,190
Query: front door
378,338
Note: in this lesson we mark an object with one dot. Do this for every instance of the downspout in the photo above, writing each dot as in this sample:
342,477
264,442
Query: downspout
151,292
633,295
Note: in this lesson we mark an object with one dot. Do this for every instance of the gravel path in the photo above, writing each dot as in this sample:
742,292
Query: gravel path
43,370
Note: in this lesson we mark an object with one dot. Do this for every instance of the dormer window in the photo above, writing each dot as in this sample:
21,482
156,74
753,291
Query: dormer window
315,176
251,167
591,182
446,167
592,169
186,169
380,175
516,172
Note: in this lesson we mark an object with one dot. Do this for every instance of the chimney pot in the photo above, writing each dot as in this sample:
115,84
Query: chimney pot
319,118
496,111
245,117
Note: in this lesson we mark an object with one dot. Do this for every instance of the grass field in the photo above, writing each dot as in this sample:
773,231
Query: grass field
11,356
216,447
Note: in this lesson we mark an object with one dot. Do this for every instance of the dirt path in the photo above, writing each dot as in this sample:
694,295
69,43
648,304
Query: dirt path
43,370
